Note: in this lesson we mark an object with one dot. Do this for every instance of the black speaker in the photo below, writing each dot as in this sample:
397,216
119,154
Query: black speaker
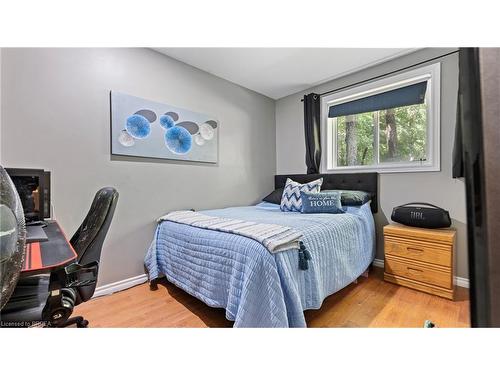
423,215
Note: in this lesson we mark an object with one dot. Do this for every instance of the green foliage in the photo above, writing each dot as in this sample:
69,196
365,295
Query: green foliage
411,125
365,137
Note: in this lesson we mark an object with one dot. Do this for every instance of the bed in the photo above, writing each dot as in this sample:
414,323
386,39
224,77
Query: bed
258,288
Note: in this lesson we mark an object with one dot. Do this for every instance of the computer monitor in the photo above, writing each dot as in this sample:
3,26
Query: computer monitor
33,186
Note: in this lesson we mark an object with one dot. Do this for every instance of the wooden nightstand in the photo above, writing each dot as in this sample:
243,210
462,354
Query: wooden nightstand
420,258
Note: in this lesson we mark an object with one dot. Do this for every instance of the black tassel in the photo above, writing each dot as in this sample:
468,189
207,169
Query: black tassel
305,265
302,261
307,254
304,257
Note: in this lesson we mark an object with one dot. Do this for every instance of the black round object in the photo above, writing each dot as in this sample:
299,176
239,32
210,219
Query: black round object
174,115
83,324
148,114
59,315
212,123
190,126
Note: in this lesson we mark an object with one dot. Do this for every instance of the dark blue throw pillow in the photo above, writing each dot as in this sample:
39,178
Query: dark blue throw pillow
322,202
352,197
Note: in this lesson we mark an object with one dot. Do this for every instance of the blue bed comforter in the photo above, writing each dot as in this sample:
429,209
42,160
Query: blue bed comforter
255,287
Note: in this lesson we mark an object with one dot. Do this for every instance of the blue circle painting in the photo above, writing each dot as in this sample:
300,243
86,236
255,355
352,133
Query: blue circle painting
138,126
166,121
178,140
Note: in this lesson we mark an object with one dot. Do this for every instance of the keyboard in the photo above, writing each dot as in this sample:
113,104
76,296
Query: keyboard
35,233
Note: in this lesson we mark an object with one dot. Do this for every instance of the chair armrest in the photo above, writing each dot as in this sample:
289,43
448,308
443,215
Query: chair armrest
75,275
78,275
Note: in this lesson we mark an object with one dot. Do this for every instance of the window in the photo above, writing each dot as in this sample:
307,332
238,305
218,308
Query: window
391,125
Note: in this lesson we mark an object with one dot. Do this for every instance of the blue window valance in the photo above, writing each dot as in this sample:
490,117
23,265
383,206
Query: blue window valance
408,95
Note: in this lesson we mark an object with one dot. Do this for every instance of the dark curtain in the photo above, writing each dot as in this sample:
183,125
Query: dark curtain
312,123
458,163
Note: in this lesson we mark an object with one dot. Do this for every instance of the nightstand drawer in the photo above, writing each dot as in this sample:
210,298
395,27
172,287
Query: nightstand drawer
418,272
437,254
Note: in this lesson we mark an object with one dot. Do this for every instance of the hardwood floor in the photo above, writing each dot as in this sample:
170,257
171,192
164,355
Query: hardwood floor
371,302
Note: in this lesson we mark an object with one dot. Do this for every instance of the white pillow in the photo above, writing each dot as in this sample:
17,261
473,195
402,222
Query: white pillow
290,200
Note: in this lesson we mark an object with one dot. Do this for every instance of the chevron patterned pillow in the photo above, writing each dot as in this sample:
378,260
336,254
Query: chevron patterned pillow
290,200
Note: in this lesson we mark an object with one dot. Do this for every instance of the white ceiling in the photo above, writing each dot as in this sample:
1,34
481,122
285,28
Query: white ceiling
278,72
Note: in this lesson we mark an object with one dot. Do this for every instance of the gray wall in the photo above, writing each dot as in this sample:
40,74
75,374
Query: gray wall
58,98
56,116
395,188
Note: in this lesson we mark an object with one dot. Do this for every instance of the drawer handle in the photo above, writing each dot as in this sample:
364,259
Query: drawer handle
415,249
413,269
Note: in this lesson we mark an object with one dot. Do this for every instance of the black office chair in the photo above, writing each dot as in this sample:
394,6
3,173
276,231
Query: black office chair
52,297
87,242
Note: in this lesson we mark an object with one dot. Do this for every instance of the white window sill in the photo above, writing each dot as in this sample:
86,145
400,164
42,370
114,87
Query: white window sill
365,169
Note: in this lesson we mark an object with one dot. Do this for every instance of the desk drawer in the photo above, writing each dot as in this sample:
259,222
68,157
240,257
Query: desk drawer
418,272
440,255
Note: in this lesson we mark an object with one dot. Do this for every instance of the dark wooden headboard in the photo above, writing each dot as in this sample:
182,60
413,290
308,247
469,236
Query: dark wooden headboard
338,181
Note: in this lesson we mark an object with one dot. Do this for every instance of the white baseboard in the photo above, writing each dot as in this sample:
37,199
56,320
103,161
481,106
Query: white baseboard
141,279
459,281
378,263
462,281
120,285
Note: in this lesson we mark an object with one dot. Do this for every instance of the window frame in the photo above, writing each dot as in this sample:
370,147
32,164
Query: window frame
431,74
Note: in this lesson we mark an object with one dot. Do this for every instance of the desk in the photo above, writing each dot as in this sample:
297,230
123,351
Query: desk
44,257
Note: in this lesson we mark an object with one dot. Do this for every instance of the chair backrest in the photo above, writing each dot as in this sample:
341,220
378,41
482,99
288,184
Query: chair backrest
89,238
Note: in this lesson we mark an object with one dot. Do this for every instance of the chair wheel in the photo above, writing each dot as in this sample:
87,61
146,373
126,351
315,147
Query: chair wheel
83,324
